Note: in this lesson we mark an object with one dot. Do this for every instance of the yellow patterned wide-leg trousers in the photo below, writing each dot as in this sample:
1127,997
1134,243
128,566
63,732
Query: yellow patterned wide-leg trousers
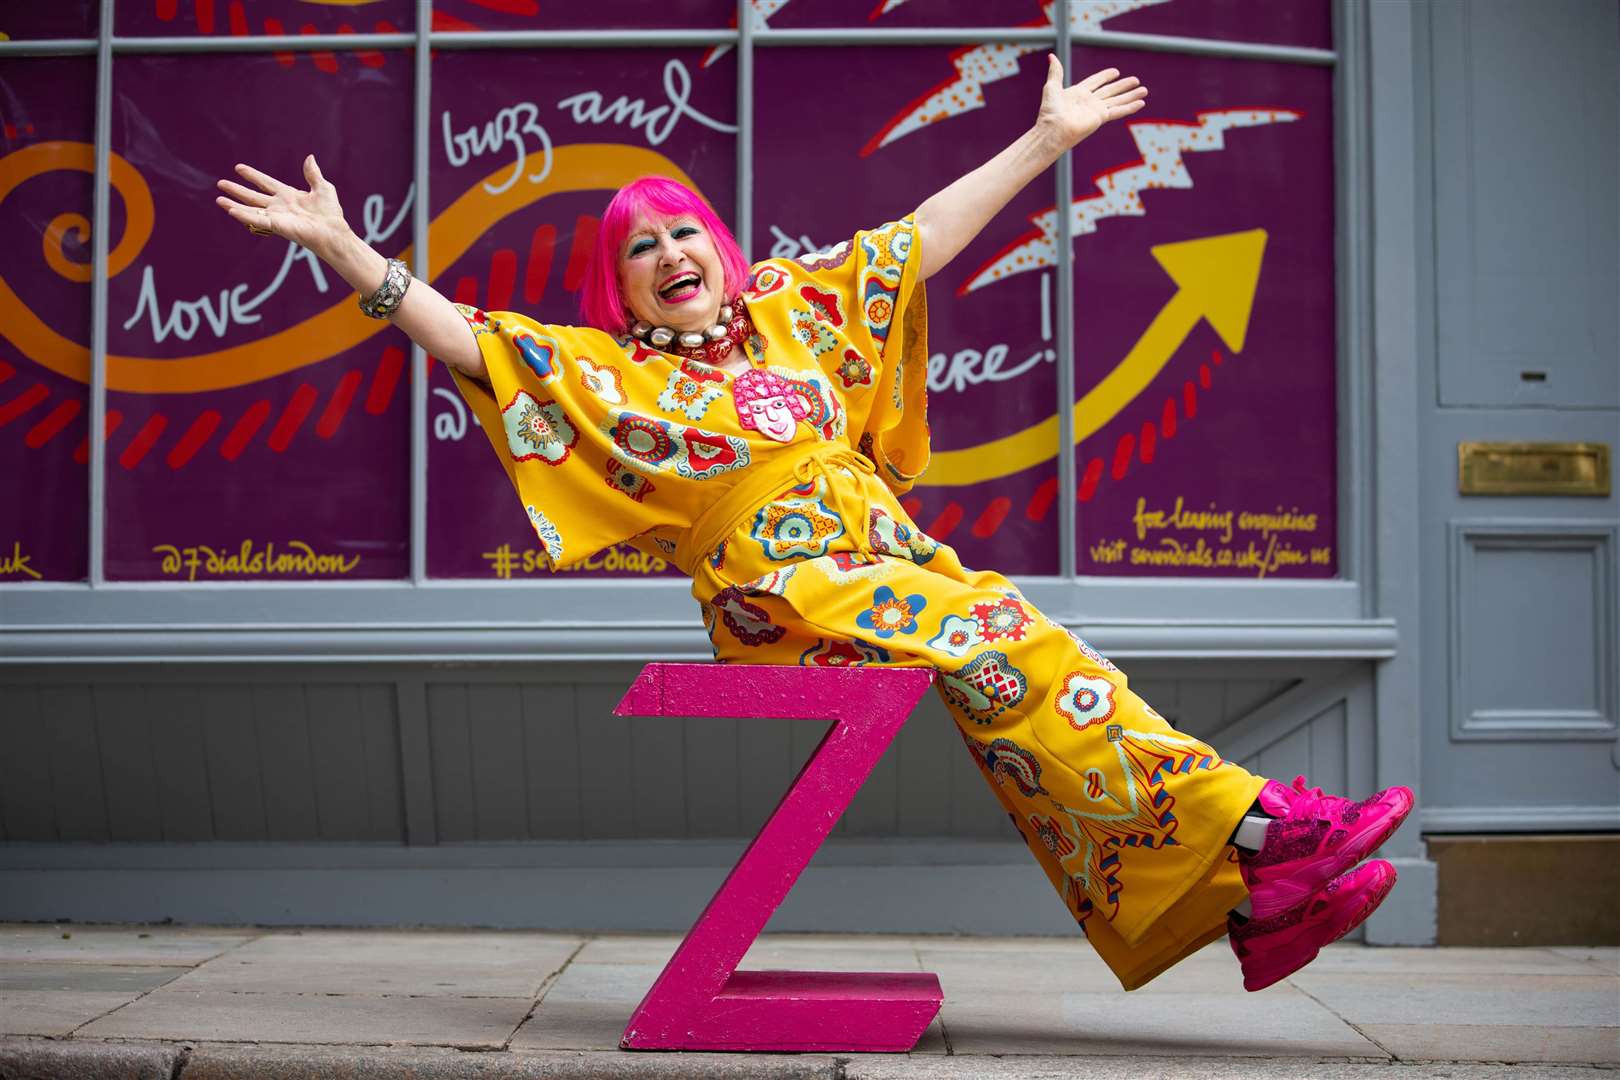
1128,817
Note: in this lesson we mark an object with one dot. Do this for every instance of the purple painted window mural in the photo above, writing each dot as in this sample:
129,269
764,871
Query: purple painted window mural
47,106
519,181
256,18
264,421
258,426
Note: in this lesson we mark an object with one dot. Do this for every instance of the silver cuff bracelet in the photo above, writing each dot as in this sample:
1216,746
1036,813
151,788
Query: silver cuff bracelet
382,303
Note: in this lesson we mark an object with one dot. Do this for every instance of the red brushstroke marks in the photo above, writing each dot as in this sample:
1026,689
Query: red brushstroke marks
81,454
55,420
246,427
385,379
947,521
467,291
1167,422
292,417
144,440
205,16
167,9
450,23
6,371
1146,441
989,521
324,61
502,278
579,252
542,245
236,15
510,7
1216,358
1189,399
22,403
1203,376
196,437
1089,479
912,506
336,409
274,28
1041,502
1123,449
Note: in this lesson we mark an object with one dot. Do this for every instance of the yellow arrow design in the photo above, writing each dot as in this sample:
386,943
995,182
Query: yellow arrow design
1215,280
582,167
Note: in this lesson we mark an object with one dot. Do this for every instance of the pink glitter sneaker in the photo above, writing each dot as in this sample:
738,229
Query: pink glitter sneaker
1314,838
1275,948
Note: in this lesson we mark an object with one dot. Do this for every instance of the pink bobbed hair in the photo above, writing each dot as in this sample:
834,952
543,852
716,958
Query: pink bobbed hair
600,302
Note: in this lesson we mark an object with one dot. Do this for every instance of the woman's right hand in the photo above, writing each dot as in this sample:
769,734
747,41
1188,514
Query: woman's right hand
312,219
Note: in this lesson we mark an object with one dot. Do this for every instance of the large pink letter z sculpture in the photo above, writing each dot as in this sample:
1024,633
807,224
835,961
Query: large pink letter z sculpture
700,1000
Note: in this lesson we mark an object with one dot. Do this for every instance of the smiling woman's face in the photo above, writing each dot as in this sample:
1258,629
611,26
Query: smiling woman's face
670,273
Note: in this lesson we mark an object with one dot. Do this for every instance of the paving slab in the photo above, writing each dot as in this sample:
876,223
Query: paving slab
1606,957
1543,1000
228,1062
166,945
467,964
479,1023
29,975
1147,1068
1498,1042
34,1059
574,1025
1198,1025
1460,960
55,1012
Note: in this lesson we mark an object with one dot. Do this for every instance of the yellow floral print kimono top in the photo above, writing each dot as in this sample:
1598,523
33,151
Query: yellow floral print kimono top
776,490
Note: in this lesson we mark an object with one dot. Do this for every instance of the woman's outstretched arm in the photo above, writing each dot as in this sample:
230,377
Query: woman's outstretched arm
314,219
953,216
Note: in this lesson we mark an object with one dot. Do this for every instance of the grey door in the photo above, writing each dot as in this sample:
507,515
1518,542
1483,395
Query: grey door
1522,139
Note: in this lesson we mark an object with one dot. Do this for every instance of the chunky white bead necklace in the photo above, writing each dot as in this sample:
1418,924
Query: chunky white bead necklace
661,337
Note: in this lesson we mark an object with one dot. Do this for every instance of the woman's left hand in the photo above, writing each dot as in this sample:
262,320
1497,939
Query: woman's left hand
1069,114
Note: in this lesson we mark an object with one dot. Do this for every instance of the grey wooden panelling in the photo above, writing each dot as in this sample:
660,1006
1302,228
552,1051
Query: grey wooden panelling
516,758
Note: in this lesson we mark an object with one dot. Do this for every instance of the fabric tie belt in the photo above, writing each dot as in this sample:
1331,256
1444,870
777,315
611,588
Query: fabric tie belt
795,465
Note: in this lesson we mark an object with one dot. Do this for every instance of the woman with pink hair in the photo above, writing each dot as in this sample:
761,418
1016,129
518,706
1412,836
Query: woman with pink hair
756,425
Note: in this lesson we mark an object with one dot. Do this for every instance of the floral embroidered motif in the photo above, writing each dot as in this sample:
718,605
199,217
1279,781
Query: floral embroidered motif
641,440
537,430
854,370
479,320
831,259
551,541
837,653
923,547
539,355
1052,836
986,687
645,442
956,636
766,280
687,395
717,557
890,614
1096,787
877,307
796,527
1084,700
603,380
749,623
824,304
1004,758
886,536
638,352
628,481
773,583
843,567
1002,619
811,331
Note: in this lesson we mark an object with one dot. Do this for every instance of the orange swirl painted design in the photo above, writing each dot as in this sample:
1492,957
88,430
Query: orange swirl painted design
340,327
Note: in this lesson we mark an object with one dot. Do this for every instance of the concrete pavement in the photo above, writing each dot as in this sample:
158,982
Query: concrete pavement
193,1002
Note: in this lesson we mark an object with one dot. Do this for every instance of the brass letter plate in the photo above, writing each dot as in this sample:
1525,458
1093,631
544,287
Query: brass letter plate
1532,468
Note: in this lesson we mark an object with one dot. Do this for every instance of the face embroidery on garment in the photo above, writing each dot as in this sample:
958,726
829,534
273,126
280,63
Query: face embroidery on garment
768,404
